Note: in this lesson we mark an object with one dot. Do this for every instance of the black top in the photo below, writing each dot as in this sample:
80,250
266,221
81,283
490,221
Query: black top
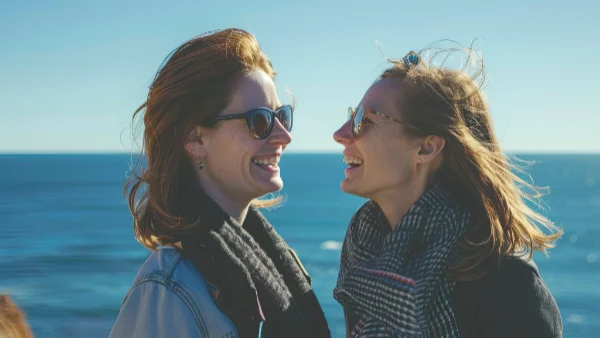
511,300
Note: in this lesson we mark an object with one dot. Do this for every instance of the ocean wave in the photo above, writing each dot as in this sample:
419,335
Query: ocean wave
331,245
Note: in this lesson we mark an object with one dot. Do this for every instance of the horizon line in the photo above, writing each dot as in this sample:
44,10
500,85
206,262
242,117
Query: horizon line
291,152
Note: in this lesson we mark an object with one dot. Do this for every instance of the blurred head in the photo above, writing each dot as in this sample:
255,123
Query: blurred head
213,124
423,125
12,320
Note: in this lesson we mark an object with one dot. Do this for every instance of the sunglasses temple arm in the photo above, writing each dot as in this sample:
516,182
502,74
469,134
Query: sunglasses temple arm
229,117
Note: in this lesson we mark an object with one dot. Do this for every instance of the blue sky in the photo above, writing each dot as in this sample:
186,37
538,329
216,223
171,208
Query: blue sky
73,72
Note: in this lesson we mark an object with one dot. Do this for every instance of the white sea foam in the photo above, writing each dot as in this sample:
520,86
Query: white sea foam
575,319
331,245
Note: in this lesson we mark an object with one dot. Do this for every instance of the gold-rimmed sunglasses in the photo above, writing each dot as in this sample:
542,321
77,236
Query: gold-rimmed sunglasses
357,116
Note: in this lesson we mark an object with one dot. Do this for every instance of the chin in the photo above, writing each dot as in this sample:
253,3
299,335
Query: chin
354,189
273,185
348,188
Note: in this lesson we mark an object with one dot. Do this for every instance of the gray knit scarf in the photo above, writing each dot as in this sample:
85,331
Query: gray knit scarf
396,282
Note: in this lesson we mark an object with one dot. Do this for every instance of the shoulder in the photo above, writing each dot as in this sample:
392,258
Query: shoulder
517,279
166,266
513,271
152,309
170,284
511,298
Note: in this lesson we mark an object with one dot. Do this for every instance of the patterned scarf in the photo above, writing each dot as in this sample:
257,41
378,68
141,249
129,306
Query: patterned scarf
258,276
396,281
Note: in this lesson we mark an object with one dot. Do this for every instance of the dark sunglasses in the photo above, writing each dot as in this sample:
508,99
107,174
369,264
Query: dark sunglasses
261,120
358,117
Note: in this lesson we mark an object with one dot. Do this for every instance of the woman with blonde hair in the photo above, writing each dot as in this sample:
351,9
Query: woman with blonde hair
443,246
214,131
12,320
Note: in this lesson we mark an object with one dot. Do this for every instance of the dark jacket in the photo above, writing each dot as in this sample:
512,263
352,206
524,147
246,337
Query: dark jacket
511,300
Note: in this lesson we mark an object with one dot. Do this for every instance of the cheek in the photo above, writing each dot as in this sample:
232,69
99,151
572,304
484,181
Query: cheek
375,151
235,148
396,171
403,160
389,161
224,150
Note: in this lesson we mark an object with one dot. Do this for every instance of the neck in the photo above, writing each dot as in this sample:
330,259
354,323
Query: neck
395,203
235,208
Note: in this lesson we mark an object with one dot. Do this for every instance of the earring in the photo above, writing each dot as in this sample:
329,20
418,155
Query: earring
200,165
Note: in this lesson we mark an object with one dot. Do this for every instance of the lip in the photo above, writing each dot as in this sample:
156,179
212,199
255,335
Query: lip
351,169
270,169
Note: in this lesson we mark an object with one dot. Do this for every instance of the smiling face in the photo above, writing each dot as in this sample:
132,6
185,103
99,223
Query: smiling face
235,163
383,159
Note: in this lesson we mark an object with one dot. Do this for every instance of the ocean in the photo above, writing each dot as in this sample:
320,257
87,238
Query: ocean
68,255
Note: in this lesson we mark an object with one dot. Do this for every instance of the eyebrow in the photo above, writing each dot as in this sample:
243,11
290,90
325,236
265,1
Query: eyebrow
272,106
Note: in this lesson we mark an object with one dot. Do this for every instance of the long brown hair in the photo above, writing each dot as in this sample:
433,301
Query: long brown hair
192,86
12,320
437,100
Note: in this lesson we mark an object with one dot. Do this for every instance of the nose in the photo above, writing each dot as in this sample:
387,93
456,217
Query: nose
344,134
279,136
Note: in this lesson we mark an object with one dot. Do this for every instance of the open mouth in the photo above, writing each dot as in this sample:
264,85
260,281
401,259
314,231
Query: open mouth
269,163
353,161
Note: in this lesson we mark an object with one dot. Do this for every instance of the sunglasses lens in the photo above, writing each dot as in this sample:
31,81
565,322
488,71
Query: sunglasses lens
356,121
286,117
261,123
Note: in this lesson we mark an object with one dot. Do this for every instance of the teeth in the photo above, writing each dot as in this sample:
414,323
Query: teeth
353,160
267,161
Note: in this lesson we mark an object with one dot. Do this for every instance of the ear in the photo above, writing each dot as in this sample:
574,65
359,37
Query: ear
431,147
194,145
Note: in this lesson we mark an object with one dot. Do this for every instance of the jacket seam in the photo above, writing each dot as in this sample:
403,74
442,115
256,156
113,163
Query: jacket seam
159,276
180,291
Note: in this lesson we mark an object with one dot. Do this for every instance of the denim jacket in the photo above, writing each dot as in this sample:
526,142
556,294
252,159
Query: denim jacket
170,298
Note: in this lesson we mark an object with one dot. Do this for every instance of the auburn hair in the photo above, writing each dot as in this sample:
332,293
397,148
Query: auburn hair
192,86
449,103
